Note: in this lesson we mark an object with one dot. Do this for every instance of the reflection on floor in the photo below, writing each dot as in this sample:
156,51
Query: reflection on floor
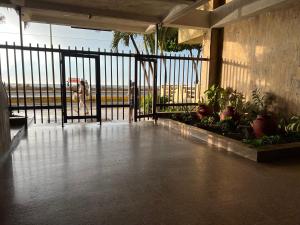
139,174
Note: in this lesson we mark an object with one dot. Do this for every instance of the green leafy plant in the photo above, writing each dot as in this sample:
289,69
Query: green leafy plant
265,140
146,104
227,126
208,121
236,100
186,116
213,95
293,125
258,100
259,105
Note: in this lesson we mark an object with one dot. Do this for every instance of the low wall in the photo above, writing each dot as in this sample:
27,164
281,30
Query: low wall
5,138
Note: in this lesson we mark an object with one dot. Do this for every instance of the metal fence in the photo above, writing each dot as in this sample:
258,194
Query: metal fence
67,85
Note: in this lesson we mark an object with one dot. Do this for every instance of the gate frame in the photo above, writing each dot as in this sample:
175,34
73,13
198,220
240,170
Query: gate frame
63,55
144,58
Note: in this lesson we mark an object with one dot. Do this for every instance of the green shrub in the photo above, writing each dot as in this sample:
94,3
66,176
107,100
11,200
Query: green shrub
265,140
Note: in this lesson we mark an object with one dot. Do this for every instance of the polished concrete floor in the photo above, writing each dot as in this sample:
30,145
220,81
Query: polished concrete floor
121,174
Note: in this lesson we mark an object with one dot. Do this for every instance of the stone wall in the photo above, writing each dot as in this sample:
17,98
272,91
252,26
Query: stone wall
264,52
4,122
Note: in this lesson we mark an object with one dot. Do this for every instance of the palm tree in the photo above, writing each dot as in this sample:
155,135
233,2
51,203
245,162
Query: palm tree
119,37
167,42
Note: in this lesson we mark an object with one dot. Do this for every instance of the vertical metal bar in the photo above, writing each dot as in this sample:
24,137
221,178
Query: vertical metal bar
196,77
192,77
160,72
105,84
140,87
47,86
187,80
129,87
199,79
144,88
170,74
70,83
23,65
165,81
84,90
178,85
183,70
8,75
174,80
40,85
63,88
32,84
16,77
150,92
123,102
154,99
90,76
117,61
77,88
135,89
111,87
98,90
53,79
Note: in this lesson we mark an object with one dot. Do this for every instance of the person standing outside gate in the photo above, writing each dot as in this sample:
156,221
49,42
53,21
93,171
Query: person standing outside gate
83,94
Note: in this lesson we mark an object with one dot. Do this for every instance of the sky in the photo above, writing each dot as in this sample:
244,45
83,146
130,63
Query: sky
65,36
38,33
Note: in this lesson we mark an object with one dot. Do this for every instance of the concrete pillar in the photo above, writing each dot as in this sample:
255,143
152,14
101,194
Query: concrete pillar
216,50
5,138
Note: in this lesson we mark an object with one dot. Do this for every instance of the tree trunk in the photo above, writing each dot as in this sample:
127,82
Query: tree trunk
143,64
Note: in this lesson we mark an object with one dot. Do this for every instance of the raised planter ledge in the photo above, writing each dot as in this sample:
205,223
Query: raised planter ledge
262,154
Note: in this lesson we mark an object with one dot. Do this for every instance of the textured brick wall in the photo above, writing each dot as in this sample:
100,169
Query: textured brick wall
4,121
264,52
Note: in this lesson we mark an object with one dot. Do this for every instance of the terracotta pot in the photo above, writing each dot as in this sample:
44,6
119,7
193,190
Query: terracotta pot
203,111
229,112
264,125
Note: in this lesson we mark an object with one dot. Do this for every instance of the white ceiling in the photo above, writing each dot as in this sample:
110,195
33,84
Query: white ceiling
121,15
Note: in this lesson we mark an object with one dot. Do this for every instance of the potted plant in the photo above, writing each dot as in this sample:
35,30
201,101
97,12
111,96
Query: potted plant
264,124
203,110
231,102
213,95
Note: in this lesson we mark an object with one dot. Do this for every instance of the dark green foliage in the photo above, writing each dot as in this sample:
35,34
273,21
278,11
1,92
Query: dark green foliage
186,116
265,140
146,103
208,121
241,129
227,126
258,100
293,125
121,37
213,94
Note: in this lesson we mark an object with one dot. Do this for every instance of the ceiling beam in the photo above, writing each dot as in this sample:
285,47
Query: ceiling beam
195,19
181,11
241,9
67,8
84,23
187,2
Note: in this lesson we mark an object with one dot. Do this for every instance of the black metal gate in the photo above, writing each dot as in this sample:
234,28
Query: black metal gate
44,83
80,87
145,88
